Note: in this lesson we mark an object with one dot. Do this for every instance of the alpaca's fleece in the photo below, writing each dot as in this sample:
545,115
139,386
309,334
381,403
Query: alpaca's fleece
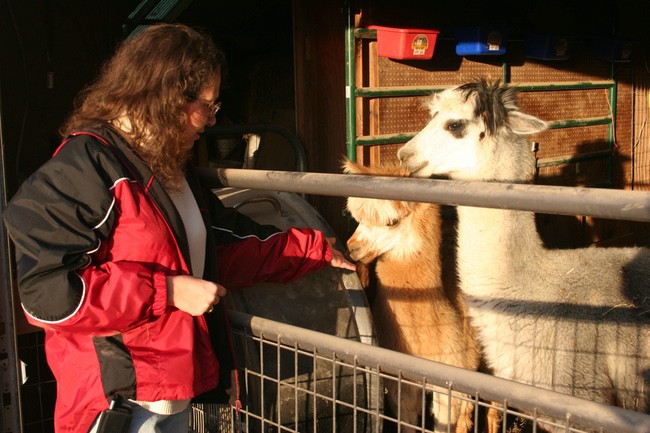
414,311
573,321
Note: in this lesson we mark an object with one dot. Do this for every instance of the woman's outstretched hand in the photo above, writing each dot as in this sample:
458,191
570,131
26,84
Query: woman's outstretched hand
338,259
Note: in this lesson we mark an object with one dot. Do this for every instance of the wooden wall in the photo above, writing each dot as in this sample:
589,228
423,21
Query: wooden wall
50,48
319,30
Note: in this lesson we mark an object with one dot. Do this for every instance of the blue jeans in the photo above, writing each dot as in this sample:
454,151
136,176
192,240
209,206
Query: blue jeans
143,421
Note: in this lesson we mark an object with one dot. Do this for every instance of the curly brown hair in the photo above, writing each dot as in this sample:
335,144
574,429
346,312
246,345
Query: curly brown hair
148,81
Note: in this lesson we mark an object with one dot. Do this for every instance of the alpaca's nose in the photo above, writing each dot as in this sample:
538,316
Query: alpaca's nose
404,154
353,249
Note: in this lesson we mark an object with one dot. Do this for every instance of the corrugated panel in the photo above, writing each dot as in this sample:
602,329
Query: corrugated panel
388,153
571,141
569,104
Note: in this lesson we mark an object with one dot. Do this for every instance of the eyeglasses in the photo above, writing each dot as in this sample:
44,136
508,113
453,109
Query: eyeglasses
213,107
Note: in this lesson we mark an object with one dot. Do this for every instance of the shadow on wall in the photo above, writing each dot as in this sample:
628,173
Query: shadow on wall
565,231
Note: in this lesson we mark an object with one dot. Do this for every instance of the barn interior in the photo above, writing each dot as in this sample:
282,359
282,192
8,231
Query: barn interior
289,68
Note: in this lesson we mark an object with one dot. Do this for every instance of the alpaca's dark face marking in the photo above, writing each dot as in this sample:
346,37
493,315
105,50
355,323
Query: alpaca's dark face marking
457,127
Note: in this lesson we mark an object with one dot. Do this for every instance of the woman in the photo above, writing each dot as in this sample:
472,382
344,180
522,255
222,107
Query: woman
121,255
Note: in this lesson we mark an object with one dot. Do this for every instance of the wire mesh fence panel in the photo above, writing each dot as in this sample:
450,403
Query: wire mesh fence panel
297,380
291,389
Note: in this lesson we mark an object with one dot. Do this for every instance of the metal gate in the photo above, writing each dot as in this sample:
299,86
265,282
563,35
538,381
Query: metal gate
281,361
276,393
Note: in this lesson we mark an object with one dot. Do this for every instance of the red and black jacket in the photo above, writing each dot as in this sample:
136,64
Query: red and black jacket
96,235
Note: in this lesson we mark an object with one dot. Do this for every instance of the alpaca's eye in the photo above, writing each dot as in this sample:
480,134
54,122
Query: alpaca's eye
393,222
456,127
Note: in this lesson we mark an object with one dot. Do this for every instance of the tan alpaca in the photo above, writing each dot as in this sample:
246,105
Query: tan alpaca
413,311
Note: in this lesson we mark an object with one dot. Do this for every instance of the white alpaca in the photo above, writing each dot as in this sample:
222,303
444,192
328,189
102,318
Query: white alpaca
573,321
413,311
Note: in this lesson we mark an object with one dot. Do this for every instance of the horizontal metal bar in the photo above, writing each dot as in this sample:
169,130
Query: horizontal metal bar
596,202
384,92
573,123
573,85
373,140
364,33
398,91
524,397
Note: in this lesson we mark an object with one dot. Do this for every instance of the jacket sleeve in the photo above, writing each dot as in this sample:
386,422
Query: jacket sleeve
249,253
280,258
57,220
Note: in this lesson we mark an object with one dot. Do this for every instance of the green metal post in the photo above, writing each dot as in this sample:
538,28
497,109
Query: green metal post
613,97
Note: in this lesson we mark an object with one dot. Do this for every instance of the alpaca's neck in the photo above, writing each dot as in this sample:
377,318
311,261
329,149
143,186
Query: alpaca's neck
494,247
412,273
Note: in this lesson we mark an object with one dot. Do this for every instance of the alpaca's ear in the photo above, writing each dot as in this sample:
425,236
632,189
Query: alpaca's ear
350,167
525,124
345,165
